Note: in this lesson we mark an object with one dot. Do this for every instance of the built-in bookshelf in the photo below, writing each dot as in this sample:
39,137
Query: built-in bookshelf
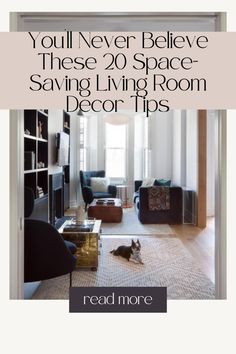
66,169
36,157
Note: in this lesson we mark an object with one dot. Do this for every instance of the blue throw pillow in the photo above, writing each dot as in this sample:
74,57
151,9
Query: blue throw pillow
162,182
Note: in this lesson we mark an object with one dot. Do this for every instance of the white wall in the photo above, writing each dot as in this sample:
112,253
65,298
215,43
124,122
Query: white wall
55,125
96,145
185,149
138,146
185,152
176,148
101,141
191,149
130,157
161,144
211,156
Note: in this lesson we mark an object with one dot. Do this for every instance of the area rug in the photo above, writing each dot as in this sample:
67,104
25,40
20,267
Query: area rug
166,263
131,225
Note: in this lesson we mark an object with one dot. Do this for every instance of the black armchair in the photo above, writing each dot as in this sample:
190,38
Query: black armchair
88,194
46,254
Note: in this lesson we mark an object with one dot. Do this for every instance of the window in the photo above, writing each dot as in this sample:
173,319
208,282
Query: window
115,150
83,137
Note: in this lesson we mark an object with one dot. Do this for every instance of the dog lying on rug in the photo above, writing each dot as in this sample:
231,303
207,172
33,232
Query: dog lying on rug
129,252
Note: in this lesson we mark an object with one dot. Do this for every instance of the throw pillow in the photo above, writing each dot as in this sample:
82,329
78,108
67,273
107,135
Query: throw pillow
162,182
99,184
148,182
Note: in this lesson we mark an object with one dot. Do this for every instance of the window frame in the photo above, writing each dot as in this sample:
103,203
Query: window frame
117,179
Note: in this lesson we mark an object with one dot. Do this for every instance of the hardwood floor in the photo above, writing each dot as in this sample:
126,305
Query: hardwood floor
201,244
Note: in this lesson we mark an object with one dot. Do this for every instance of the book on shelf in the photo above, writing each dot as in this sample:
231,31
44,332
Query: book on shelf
29,160
40,192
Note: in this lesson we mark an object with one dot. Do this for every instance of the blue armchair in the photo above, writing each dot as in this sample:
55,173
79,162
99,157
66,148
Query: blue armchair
88,194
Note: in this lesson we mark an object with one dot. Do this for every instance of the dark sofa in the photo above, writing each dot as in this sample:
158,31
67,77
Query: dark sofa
146,216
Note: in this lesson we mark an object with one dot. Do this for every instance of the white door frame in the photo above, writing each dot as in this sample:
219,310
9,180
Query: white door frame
221,207
16,205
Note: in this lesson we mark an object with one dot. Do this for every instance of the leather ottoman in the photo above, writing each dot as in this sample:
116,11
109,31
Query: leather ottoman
106,212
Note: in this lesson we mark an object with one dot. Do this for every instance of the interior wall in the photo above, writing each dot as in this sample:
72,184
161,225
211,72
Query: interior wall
138,146
100,141
55,125
161,144
185,142
211,157
183,147
176,148
95,144
191,149
130,158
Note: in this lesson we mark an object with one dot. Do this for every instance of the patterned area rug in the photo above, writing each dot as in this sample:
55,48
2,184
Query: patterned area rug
166,263
131,225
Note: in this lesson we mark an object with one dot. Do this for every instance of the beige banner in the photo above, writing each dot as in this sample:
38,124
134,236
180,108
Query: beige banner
113,71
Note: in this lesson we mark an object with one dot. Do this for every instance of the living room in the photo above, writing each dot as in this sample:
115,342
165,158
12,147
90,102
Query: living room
165,147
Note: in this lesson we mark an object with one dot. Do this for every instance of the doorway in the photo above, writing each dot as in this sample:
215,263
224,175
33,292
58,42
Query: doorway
102,22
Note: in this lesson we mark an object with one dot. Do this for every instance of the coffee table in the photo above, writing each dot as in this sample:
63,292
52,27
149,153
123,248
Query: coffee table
106,212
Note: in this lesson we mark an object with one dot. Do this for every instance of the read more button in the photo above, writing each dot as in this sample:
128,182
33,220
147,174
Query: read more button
118,299
121,299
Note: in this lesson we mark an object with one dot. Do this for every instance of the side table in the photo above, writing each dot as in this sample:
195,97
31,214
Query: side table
122,193
87,244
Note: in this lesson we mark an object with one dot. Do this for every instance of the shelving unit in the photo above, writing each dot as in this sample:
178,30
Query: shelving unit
36,159
66,169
